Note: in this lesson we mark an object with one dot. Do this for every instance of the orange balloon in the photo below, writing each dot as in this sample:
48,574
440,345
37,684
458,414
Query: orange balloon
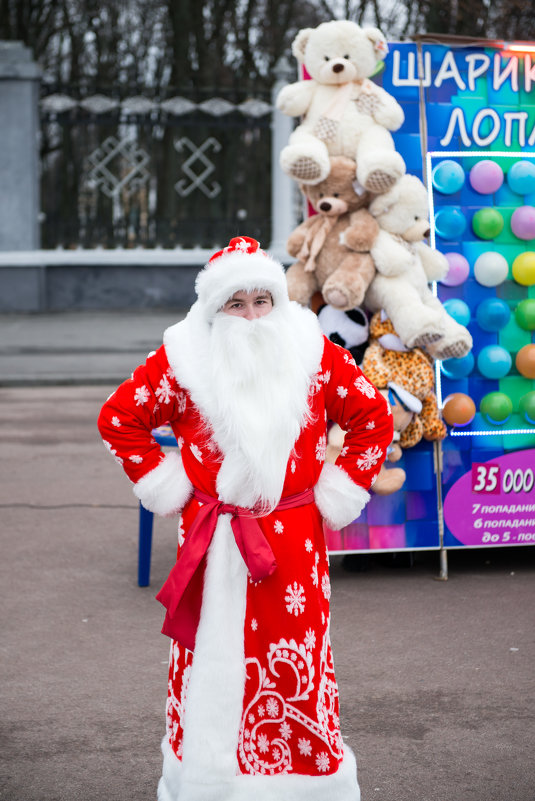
525,361
459,409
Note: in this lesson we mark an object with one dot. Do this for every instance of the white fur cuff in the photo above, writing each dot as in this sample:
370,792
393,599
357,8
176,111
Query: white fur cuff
338,498
165,489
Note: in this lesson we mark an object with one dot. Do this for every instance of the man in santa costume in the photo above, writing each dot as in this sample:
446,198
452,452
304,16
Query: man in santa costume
248,382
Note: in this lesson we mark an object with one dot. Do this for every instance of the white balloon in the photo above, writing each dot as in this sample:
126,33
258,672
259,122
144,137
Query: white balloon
491,268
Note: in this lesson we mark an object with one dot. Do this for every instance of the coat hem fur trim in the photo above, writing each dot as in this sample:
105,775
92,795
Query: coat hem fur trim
339,786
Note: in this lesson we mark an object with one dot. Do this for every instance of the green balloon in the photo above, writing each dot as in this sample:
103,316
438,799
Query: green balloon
487,223
496,407
525,314
526,407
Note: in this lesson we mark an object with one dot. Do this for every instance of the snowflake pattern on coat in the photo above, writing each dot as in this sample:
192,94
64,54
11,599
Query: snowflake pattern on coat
290,713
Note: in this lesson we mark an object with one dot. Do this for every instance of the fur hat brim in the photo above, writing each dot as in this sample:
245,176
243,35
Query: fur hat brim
235,271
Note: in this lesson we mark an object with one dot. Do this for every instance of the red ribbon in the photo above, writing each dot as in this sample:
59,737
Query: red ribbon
182,592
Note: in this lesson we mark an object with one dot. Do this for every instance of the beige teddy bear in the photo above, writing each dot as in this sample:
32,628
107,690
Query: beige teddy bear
332,247
343,113
401,284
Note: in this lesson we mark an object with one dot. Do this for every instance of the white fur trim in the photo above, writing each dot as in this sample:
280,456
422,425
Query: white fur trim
339,786
338,498
218,281
214,700
165,489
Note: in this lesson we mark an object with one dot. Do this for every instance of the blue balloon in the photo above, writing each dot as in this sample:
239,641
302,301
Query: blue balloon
450,223
458,368
448,177
458,309
494,361
493,314
521,177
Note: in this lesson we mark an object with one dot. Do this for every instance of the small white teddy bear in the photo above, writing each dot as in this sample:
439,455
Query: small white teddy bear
401,286
343,113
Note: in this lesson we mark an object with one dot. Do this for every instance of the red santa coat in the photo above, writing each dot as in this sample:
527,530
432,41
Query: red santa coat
254,709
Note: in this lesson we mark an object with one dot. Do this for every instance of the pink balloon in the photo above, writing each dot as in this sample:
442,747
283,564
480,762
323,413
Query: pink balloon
486,177
458,271
523,222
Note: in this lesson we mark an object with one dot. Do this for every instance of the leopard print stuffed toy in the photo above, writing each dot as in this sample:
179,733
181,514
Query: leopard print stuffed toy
387,360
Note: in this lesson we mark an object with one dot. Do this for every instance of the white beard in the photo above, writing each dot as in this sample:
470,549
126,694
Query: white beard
258,404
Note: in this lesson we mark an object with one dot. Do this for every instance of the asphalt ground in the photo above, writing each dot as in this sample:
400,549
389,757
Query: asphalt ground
436,677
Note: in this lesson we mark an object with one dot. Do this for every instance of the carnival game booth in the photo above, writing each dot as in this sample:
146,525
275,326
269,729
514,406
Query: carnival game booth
469,135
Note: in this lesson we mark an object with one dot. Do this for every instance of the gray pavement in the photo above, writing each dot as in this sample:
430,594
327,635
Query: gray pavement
78,347
436,678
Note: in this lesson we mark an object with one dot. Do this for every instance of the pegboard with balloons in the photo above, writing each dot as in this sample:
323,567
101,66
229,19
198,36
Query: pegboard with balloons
474,109
483,209
468,133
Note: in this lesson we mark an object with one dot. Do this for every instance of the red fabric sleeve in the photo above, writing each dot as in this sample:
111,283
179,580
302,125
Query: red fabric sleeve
150,398
361,411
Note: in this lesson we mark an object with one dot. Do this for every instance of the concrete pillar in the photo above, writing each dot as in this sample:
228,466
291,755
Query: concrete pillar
283,188
19,159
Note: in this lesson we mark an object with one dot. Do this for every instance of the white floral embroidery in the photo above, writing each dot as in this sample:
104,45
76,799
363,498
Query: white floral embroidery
181,402
308,546
272,707
164,393
285,730
321,447
315,384
196,452
136,459
141,395
180,442
326,586
263,743
293,466
364,386
344,451
371,425
278,527
310,640
295,599
251,719
304,746
314,575
342,391
254,624
112,450
115,422
326,376
322,762
369,458
261,711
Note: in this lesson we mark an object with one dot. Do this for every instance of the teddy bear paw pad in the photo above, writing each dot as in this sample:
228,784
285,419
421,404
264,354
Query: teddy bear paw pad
379,181
426,339
454,351
306,169
326,129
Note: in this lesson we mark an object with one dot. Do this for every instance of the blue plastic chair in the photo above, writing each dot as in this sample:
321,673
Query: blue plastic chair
164,436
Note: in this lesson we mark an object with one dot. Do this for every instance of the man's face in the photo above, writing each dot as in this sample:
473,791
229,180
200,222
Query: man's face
249,305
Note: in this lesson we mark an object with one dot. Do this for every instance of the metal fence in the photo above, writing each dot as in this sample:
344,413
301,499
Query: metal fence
127,169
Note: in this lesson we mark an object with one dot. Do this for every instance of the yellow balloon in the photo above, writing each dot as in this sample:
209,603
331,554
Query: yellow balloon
524,268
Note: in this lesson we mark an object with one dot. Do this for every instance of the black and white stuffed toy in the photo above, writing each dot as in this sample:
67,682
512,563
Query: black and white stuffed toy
346,328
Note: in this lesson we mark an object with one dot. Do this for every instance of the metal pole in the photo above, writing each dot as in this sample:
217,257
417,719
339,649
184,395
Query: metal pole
283,212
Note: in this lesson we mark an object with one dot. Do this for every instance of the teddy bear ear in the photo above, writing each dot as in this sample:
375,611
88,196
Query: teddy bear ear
378,40
300,42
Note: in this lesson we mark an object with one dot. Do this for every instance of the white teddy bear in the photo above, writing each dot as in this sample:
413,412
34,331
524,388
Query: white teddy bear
343,113
401,286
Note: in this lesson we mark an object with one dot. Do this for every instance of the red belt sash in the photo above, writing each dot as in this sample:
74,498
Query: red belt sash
182,592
